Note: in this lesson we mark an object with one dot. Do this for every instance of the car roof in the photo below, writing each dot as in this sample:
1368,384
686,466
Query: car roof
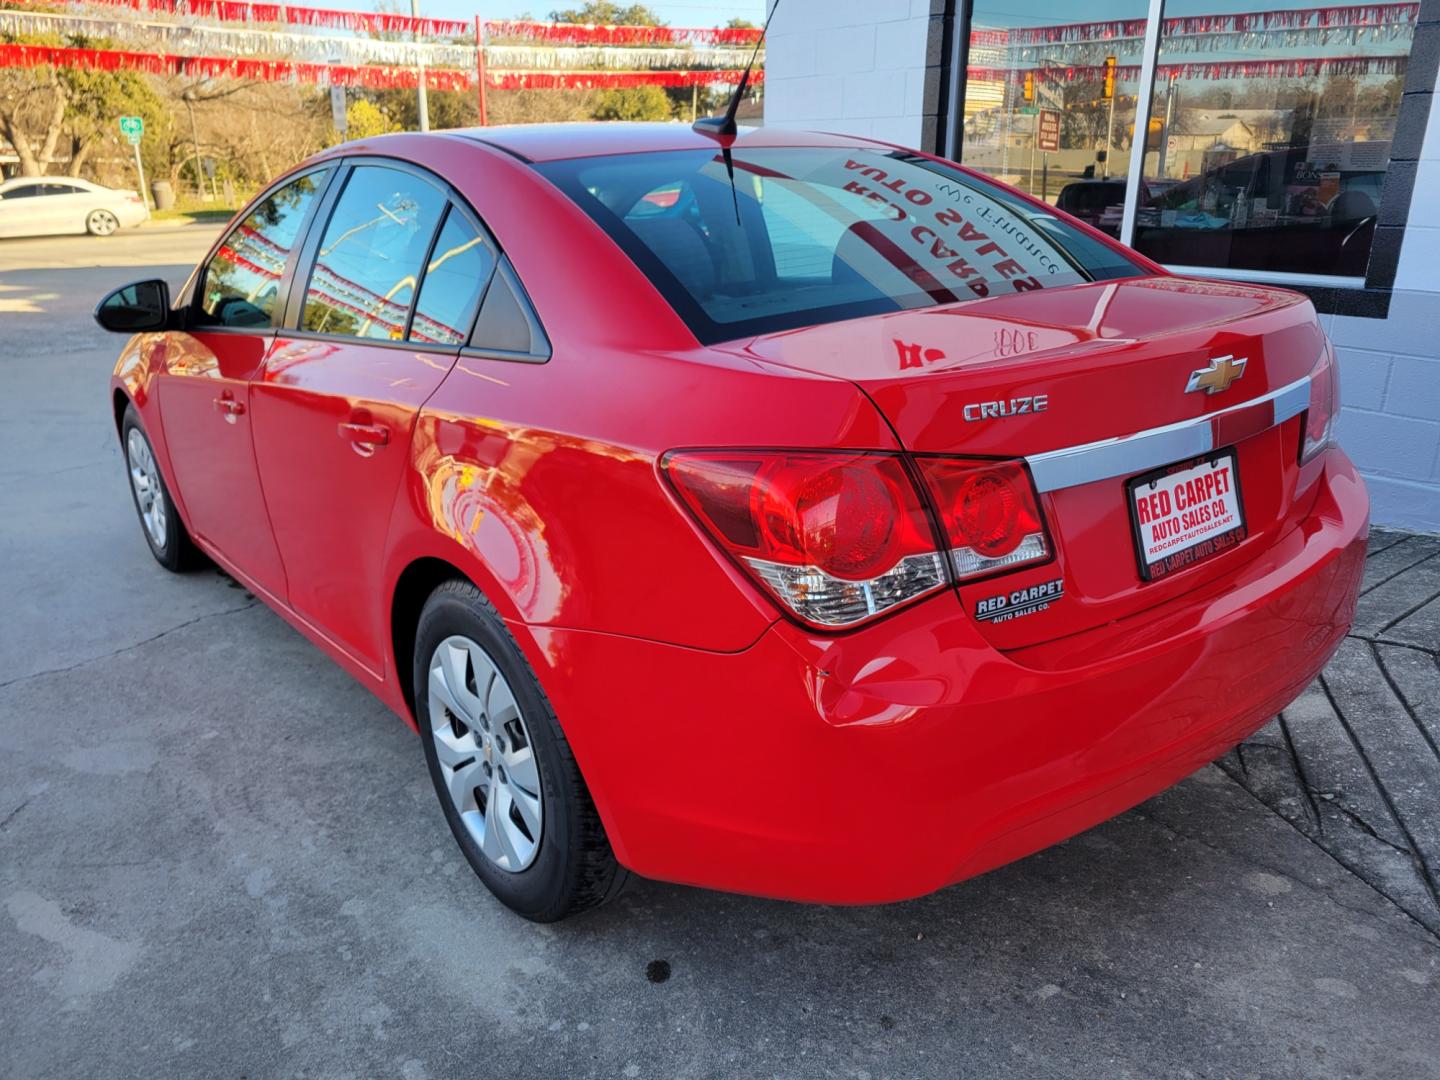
25,181
555,142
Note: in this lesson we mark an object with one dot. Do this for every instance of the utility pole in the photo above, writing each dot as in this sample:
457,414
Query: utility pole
422,103
189,98
1109,90
480,69
1165,131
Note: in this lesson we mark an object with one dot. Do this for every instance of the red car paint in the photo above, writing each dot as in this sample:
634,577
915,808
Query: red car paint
726,744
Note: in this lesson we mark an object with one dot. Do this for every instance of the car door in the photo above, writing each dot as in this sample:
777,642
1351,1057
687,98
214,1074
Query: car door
67,206
336,401
237,298
21,211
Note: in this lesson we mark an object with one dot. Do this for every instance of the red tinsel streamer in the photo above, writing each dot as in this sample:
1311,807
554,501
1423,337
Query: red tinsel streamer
289,14
582,34
617,80
1239,22
383,22
1297,68
366,76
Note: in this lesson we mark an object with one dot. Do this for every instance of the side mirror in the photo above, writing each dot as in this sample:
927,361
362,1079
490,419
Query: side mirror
135,308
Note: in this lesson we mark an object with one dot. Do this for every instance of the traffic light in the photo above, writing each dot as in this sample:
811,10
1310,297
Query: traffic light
1109,77
1029,86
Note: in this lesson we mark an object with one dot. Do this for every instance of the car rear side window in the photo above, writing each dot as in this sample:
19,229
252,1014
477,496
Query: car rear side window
456,274
808,235
371,254
242,280
507,326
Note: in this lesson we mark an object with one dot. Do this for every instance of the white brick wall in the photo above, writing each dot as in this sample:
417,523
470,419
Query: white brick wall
848,66
1390,368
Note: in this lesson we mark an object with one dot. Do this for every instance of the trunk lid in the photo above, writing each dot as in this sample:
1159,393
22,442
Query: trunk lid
1024,375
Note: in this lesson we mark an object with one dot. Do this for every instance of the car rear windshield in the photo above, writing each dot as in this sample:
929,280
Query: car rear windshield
809,235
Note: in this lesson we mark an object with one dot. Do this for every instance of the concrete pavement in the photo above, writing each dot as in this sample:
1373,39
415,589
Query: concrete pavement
220,857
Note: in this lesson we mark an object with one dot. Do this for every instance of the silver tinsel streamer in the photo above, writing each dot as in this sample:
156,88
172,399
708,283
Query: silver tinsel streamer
196,39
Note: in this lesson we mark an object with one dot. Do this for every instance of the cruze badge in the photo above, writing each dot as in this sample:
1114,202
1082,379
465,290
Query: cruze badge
1223,371
998,410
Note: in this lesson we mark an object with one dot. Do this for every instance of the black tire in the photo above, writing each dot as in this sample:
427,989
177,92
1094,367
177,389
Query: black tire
178,553
574,867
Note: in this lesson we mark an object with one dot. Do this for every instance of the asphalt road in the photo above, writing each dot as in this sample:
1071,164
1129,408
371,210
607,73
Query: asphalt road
219,857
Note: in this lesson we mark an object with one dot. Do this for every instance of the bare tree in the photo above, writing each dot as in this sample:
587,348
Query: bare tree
32,115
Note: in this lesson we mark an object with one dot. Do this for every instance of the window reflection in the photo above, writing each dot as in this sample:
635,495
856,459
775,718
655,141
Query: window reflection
242,280
1268,136
1050,102
369,257
458,270
1273,135
809,235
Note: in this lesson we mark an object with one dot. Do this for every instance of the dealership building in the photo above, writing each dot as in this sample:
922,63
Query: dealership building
1284,143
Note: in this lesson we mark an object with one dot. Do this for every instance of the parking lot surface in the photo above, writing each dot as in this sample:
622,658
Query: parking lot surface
220,857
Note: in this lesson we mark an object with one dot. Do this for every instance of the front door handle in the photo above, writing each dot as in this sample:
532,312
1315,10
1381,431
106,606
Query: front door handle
364,438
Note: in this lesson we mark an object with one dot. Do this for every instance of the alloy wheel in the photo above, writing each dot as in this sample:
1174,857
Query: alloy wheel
145,480
103,223
485,754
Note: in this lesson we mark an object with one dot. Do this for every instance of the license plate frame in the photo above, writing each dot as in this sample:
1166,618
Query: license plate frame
1205,546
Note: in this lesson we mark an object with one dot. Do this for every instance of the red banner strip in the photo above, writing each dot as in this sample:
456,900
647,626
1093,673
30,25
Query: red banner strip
366,76
1346,15
582,34
383,22
1295,68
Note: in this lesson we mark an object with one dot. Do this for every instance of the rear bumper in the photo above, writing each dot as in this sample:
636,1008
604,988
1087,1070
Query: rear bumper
887,763
131,214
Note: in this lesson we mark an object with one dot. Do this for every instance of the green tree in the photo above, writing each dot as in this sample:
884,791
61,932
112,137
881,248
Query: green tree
364,119
640,103
448,108
740,24
95,101
603,11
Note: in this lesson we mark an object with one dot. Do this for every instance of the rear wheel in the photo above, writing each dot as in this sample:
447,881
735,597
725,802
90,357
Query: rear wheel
507,781
159,521
101,223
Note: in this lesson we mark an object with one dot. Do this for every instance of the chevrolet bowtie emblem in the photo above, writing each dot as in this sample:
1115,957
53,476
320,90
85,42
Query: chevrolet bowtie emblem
1223,371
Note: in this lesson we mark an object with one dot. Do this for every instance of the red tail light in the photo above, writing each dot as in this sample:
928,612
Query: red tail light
1324,406
990,514
836,537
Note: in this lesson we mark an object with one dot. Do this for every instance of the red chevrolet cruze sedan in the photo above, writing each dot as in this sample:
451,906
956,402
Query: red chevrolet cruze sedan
795,515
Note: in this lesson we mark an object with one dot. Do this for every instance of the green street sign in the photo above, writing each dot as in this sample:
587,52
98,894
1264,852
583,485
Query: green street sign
132,127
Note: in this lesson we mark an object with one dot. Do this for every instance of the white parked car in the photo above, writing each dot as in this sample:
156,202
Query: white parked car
48,205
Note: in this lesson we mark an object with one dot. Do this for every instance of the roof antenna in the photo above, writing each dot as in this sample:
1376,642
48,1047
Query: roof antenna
725,125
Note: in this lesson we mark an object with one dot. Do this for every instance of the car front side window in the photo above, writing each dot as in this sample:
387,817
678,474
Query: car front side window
241,283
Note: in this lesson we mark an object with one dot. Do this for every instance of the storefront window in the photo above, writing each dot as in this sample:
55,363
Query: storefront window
1268,136
1050,104
1274,135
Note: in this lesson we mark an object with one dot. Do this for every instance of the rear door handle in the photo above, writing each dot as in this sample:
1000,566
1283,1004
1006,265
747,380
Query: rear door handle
230,407
365,437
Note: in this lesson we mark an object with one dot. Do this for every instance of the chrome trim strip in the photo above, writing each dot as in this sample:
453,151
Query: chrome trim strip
1128,454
